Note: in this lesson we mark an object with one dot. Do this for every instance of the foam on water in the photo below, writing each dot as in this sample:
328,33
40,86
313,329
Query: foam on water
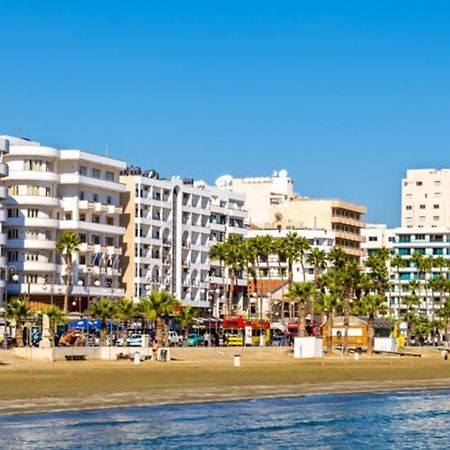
419,419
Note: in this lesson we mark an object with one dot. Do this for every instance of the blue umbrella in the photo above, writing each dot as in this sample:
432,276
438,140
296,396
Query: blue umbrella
91,324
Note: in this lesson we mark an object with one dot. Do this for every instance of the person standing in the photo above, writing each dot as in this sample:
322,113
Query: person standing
155,348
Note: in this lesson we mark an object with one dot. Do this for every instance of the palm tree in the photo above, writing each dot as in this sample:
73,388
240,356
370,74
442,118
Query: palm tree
302,292
218,253
126,310
371,305
251,254
398,262
318,259
55,317
105,310
158,306
19,311
279,248
68,243
444,313
327,304
185,316
235,261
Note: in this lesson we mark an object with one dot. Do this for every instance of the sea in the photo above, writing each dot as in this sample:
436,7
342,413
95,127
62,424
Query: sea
397,420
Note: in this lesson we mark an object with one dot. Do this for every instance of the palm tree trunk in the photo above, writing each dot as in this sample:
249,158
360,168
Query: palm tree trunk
329,332
301,318
159,332
126,333
19,333
231,292
103,333
346,325
370,334
68,282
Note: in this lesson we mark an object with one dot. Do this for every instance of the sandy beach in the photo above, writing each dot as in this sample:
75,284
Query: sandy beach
199,375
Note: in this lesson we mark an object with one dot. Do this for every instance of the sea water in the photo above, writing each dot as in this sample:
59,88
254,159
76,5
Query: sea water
398,420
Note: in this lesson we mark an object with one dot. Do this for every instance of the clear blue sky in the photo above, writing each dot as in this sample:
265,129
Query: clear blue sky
346,95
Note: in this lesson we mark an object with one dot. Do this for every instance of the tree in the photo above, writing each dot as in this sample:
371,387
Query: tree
328,303
55,317
105,310
318,259
68,243
250,253
372,304
398,262
158,306
302,292
126,310
185,316
235,261
279,248
218,253
444,313
19,311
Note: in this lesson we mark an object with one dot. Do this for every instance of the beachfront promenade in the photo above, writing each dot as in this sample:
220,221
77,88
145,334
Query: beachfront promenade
206,374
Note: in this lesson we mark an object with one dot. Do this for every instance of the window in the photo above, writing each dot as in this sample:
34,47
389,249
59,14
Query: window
404,238
95,173
403,251
95,219
435,206
13,190
420,237
95,197
13,255
81,195
13,233
13,212
31,256
373,238
31,278
437,182
68,216
47,192
422,218
110,241
82,260
110,220
83,217
32,190
83,170
96,239
437,194
82,238
418,183
109,176
436,217
408,207
108,199
422,207
32,212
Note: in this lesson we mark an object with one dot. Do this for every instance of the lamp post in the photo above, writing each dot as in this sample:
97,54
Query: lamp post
10,273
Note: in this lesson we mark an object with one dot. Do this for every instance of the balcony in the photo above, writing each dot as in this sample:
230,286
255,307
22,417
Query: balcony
3,170
100,228
76,179
33,222
35,200
34,175
41,244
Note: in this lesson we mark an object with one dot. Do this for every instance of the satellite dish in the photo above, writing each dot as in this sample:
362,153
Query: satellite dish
224,180
283,173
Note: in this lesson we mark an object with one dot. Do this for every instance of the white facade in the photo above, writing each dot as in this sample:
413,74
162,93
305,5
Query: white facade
4,149
51,190
426,198
171,225
376,236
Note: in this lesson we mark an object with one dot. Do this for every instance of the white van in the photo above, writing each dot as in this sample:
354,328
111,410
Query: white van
175,339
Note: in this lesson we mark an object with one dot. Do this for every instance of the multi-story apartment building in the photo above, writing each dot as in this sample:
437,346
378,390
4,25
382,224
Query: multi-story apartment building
170,227
4,149
432,243
50,190
273,203
375,237
426,198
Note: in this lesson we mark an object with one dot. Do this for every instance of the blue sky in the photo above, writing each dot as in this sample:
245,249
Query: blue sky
346,95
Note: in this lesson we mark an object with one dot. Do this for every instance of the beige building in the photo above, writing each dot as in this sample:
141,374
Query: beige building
272,201
426,198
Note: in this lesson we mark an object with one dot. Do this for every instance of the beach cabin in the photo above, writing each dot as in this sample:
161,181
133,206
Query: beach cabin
357,330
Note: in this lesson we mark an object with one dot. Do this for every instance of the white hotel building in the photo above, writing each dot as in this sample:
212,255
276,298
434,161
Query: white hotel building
4,149
170,226
51,190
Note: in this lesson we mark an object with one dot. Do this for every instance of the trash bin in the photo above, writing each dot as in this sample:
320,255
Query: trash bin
163,355
137,358
356,356
237,361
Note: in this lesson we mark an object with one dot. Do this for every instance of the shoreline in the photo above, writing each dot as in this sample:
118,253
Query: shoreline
205,376
289,391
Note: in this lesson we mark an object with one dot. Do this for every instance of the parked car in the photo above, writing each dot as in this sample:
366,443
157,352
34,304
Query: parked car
133,340
279,341
175,339
194,340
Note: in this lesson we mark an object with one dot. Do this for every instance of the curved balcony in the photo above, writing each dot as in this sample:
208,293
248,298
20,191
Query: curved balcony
34,266
34,200
2,240
4,145
40,244
37,222
3,192
3,215
74,178
90,226
34,150
33,175
3,261
3,170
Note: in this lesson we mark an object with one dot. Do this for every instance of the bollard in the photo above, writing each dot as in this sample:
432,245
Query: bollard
237,361
356,356
137,358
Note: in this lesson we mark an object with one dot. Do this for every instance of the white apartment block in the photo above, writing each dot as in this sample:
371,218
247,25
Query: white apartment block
376,236
51,190
426,198
170,226
430,242
4,149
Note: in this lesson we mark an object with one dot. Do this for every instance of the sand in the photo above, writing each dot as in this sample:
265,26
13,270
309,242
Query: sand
199,375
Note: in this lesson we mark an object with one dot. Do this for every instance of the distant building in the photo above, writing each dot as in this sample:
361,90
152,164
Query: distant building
171,225
375,237
272,202
426,198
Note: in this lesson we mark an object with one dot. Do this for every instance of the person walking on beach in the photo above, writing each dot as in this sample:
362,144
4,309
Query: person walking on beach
155,348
